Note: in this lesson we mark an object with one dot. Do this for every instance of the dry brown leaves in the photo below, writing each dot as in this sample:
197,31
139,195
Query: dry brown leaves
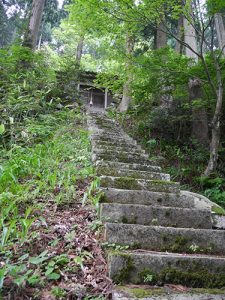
71,231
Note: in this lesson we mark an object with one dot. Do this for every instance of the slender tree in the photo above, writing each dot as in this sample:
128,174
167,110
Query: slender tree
79,51
161,36
126,99
200,130
32,33
220,30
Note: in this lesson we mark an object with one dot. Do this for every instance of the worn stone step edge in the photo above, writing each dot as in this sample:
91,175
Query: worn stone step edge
150,292
103,148
104,132
110,135
155,215
115,152
130,159
132,173
161,268
139,184
159,238
115,143
149,166
123,196
112,139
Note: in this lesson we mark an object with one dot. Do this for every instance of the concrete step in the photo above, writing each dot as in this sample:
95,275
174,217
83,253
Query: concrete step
104,131
155,215
117,148
160,268
114,142
111,136
158,238
132,173
112,139
124,157
118,152
167,292
150,166
139,184
103,122
122,196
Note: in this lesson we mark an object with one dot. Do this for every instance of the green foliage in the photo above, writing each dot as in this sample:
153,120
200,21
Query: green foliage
215,6
26,89
58,292
67,79
214,189
52,161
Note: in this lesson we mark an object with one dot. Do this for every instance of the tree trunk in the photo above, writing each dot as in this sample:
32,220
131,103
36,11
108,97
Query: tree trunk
166,99
79,51
190,39
200,130
215,141
161,37
31,35
180,34
220,31
126,99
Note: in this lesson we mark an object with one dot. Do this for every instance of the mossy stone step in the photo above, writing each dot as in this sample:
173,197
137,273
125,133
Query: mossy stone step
117,152
111,135
139,184
132,173
122,196
161,268
153,215
150,166
114,143
124,157
103,123
112,139
167,292
103,132
100,133
158,238
116,148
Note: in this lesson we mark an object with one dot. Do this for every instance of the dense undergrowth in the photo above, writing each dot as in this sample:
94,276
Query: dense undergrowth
166,137
49,231
47,236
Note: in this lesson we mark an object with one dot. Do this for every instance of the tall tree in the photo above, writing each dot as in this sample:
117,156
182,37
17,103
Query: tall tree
200,130
126,99
161,36
32,32
220,30
79,51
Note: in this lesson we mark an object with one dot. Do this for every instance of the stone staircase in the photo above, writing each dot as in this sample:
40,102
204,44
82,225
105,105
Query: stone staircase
173,236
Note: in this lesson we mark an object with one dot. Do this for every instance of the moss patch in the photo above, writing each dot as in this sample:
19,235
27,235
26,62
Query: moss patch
133,184
123,275
180,244
145,292
218,210
209,291
200,278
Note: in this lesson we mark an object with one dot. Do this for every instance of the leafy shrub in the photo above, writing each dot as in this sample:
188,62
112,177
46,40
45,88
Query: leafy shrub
214,189
27,86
